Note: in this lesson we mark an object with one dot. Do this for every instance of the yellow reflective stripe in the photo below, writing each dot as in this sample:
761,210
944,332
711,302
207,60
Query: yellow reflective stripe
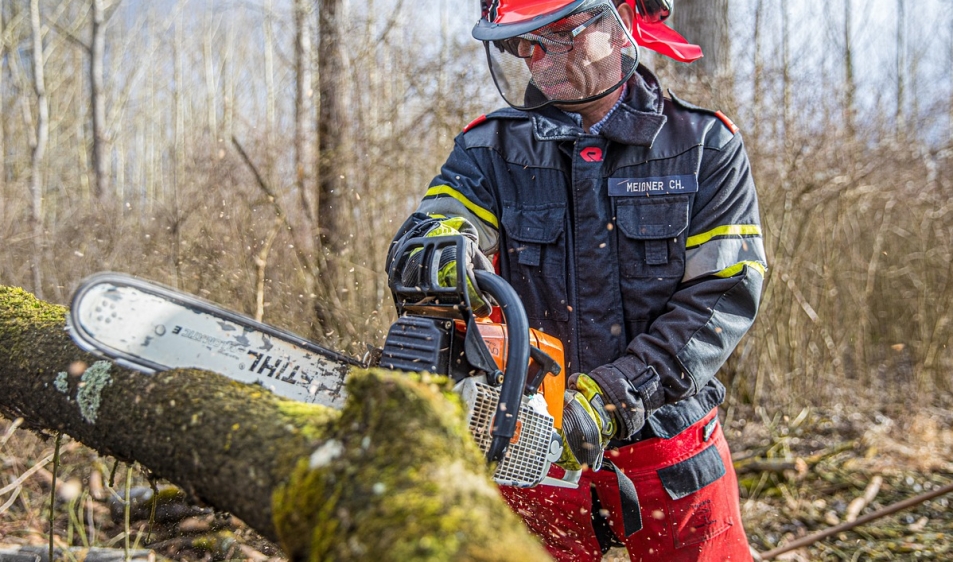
736,268
729,230
483,214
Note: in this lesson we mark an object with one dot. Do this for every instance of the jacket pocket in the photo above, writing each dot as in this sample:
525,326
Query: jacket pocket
700,508
653,235
536,252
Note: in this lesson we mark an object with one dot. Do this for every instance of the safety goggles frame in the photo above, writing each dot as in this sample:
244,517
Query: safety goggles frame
486,30
550,43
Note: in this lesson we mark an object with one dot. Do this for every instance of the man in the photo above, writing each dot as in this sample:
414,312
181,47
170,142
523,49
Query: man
628,224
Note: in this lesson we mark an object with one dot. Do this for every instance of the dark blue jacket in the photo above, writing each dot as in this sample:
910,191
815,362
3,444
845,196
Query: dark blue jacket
640,247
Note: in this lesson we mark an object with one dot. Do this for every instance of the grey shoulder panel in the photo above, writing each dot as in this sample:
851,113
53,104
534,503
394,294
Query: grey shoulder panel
712,128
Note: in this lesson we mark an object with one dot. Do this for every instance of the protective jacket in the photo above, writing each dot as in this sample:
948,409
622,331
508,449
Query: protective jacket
639,247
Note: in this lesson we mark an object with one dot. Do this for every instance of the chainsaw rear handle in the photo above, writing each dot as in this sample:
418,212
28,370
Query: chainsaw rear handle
428,298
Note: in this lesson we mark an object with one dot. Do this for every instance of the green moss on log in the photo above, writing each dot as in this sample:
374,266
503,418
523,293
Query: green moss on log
26,319
399,479
313,418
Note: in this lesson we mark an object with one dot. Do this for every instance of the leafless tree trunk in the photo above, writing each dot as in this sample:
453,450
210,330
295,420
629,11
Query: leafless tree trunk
706,23
393,477
330,120
330,187
229,64
210,75
271,103
759,70
39,148
786,67
304,119
3,124
949,73
178,144
850,83
150,141
97,97
901,65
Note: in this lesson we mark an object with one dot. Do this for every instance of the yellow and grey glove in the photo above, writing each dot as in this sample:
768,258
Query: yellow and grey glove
447,272
588,425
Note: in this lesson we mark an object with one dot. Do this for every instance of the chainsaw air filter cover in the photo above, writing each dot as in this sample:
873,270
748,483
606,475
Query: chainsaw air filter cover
532,449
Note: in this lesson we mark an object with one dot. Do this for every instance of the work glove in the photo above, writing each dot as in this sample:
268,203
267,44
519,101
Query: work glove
447,267
588,424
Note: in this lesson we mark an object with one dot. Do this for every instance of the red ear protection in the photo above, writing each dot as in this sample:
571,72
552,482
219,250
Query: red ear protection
653,11
649,31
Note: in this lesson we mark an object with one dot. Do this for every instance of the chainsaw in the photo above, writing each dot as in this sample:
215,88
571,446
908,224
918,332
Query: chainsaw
495,362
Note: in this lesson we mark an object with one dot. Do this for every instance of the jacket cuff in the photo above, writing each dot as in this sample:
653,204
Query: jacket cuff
634,398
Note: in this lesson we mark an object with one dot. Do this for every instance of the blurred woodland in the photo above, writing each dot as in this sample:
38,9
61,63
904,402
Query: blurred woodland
261,154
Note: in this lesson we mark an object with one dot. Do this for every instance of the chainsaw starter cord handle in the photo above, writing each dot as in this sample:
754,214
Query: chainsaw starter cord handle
517,360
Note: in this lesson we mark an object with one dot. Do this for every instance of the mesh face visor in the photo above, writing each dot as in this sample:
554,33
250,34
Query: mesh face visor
579,58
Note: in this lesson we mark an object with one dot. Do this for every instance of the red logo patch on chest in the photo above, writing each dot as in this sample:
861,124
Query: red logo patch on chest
591,154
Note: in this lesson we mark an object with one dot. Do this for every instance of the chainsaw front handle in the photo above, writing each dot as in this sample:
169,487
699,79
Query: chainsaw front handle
517,360
427,297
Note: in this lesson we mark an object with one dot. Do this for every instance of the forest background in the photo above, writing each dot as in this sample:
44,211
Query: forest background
262,154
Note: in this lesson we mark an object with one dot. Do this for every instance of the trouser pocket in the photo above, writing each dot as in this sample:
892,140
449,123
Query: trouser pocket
699,508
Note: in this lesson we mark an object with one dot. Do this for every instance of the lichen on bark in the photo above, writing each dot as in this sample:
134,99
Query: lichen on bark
91,385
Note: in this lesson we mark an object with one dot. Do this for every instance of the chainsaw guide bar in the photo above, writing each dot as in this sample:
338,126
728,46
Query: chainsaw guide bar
150,328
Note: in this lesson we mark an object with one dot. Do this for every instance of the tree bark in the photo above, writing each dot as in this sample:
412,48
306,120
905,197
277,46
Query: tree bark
393,476
332,208
330,121
705,22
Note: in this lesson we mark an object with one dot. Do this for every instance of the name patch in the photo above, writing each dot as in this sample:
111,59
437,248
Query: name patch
647,187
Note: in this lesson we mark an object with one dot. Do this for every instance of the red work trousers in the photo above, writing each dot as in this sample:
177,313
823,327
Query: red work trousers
688,496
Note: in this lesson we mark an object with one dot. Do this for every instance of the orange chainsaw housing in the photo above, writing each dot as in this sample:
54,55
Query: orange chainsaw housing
554,386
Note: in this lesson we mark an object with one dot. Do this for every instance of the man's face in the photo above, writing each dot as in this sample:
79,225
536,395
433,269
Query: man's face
578,58
592,65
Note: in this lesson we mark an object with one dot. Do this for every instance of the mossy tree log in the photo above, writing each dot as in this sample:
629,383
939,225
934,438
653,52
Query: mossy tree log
393,476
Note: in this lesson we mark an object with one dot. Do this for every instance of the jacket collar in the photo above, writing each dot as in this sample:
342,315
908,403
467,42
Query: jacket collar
637,121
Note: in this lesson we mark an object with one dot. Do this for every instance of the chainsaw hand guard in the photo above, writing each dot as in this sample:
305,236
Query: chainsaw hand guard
429,297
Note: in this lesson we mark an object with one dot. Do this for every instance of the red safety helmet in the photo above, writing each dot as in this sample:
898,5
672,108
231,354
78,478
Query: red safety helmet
503,19
509,18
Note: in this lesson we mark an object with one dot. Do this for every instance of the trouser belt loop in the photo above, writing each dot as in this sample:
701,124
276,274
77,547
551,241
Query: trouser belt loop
631,512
